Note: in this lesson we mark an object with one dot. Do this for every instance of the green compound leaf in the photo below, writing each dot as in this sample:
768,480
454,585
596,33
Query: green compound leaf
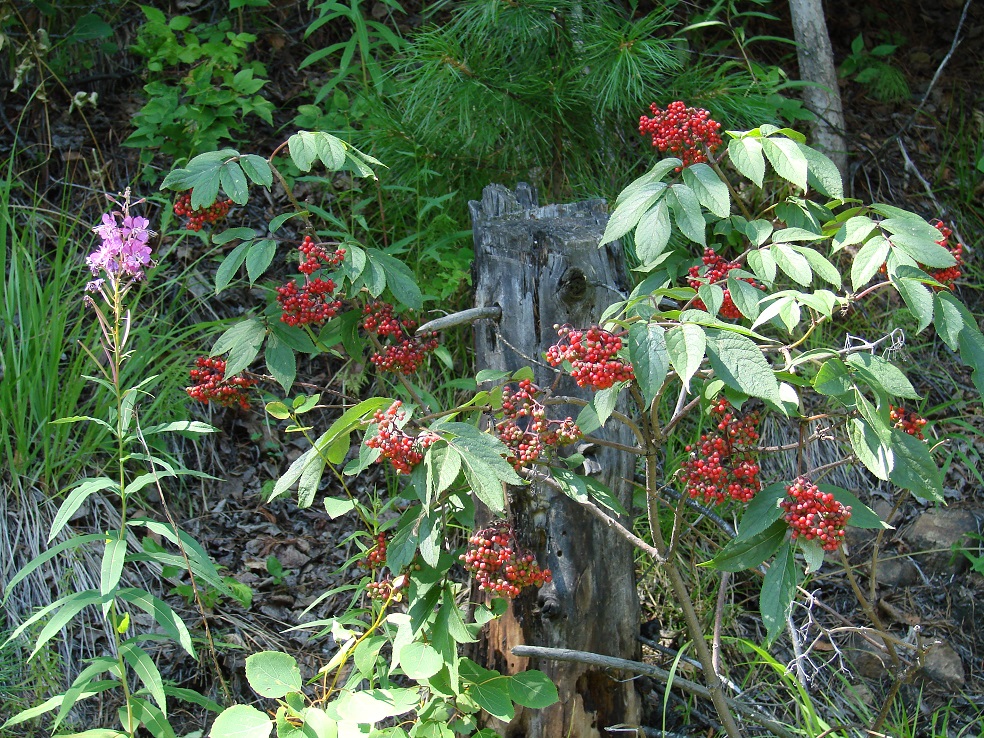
882,374
778,591
258,259
241,721
273,674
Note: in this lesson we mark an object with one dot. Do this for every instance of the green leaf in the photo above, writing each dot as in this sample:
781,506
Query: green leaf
710,190
74,501
778,591
230,266
746,155
874,454
420,661
868,261
712,295
488,688
258,258
687,213
399,279
280,361
533,689
303,150
821,266
792,263
273,673
336,506
630,210
833,379
854,230
604,402
914,468
258,170
649,356
242,343
758,231
822,173
739,363
154,720
653,233
114,557
882,374
163,615
144,667
762,511
951,319
374,705
234,183
745,297
747,553
241,721
763,264
685,345
918,298
786,158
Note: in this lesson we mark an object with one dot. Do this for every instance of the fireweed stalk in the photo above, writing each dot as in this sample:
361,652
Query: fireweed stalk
116,265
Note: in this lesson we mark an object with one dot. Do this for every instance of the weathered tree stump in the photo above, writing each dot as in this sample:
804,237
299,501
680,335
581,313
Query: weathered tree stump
541,267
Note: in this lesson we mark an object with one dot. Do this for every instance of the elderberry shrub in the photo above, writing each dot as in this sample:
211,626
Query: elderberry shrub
209,384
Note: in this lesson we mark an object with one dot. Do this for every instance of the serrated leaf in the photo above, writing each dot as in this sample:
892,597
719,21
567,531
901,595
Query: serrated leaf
712,295
280,361
739,363
258,258
399,278
792,263
604,402
233,182
653,233
230,265
763,264
687,212
855,230
710,190
822,173
821,265
758,231
868,261
745,297
242,343
273,673
862,516
685,345
914,468
778,591
762,511
918,298
747,156
747,553
241,721
876,456
788,161
883,374
649,356
630,210
951,319
257,169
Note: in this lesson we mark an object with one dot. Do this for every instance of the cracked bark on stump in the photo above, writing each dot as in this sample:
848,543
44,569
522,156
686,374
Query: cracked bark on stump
542,266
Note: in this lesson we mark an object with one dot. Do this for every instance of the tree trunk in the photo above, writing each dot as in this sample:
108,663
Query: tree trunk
816,64
541,267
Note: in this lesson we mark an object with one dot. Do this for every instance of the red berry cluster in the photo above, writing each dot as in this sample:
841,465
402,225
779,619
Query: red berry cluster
948,276
499,567
376,556
198,218
379,590
907,420
716,270
688,133
592,354
210,384
724,465
378,318
407,352
525,429
317,257
403,450
407,356
311,303
814,514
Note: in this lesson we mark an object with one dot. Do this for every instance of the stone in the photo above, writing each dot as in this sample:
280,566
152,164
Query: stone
934,533
900,572
943,665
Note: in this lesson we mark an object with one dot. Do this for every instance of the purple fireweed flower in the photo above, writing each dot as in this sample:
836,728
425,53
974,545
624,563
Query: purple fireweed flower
123,251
